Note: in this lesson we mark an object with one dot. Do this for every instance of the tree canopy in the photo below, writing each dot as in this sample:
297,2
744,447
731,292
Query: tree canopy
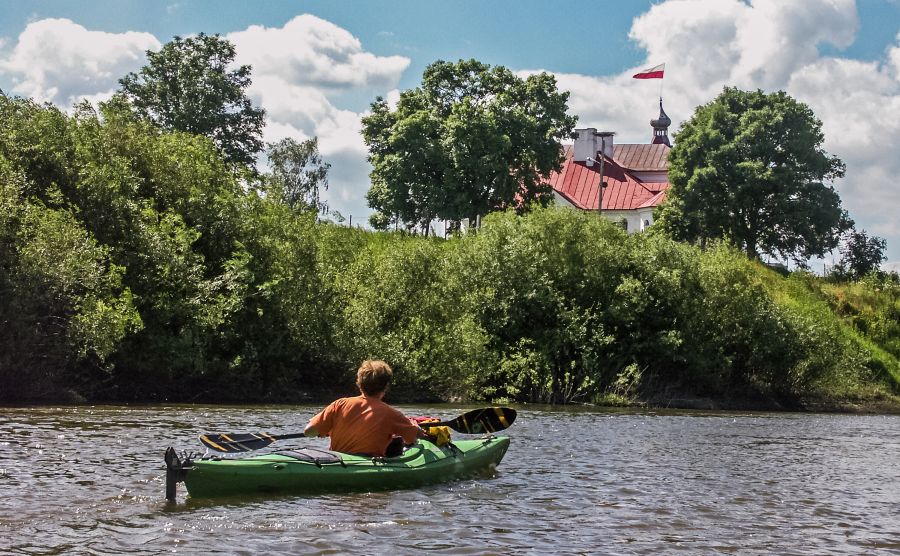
298,172
749,167
134,264
860,254
471,139
188,86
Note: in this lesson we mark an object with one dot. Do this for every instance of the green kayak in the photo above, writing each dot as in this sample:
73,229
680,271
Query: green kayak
313,470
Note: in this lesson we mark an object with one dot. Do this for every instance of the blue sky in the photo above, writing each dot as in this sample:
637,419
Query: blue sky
317,65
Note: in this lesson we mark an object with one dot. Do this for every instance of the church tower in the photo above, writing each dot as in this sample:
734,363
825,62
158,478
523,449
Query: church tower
661,128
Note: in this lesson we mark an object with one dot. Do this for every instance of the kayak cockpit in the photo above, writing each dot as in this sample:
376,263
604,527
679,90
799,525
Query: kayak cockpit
314,455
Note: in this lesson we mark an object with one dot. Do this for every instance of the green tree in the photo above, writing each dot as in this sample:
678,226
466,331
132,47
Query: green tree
861,254
188,86
298,173
34,138
471,139
398,304
749,167
62,301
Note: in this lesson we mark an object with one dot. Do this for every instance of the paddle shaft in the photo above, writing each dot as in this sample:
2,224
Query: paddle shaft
478,421
287,436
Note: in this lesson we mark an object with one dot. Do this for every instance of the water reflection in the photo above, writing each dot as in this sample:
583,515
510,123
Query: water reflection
574,481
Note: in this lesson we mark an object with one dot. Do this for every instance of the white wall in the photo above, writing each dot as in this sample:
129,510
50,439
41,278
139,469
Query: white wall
561,201
651,177
645,218
638,220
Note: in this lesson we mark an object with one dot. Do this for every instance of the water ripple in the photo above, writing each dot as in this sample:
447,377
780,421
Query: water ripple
90,480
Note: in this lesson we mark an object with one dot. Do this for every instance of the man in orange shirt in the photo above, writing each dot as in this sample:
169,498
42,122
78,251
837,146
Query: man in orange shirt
364,424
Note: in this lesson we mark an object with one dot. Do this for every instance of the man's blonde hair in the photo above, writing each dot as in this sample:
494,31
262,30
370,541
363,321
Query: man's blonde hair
373,377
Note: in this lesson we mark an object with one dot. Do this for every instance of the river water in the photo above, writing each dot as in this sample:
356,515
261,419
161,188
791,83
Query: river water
91,480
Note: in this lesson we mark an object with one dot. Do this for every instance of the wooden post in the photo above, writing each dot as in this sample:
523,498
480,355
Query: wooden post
603,136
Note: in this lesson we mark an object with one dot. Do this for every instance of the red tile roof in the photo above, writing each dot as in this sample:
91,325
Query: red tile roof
579,184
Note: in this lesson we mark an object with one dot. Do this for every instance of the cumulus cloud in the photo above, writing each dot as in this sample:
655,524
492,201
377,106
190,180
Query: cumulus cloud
298,72
707,44
60,61
314,52
894,59
760,44
856,102
393,98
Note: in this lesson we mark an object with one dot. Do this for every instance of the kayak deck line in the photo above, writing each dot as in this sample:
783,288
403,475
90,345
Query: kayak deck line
311,470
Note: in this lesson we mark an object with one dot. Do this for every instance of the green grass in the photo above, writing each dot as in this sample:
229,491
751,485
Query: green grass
860,315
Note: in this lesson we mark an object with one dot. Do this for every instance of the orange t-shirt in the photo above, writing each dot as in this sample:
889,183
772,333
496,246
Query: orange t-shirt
361,425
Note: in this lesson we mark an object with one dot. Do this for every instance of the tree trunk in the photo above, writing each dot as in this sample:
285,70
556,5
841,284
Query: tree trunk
751,251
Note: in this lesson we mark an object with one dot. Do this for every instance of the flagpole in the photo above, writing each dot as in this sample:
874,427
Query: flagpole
656,72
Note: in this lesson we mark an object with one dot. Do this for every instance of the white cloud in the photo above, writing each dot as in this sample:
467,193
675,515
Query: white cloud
311,51
60,61
760,44
298,71
856,101
894,58
393,98
302,106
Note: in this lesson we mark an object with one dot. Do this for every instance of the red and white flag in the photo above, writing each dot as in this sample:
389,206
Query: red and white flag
656,72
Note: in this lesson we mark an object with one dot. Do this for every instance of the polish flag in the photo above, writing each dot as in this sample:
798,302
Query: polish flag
656,72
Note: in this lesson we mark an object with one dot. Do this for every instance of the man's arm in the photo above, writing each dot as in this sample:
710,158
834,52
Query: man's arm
409,430
420,432
321,423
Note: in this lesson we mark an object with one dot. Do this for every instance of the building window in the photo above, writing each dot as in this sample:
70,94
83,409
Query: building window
624,224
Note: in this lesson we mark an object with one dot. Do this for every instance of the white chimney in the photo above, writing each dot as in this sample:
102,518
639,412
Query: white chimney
585,145
605,138
588,144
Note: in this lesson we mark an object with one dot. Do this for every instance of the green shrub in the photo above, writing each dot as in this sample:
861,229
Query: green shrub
136,265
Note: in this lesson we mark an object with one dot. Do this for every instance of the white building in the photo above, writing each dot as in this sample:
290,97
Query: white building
635,176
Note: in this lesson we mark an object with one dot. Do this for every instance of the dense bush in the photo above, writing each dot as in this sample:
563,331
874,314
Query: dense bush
136,265
61,298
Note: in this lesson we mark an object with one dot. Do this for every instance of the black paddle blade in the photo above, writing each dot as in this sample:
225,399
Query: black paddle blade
237,442
489,419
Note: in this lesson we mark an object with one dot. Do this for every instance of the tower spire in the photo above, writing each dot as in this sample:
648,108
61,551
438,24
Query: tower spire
661,127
